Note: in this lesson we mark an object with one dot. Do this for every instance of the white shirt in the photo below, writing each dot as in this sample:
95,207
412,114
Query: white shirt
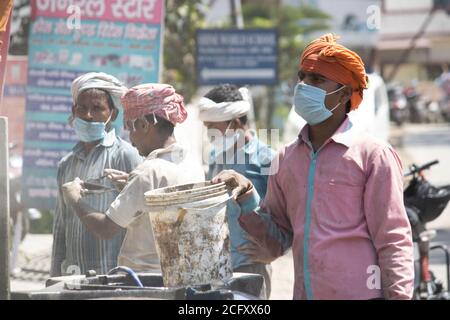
162,168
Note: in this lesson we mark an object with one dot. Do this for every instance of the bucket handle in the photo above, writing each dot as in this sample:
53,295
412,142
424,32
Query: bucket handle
207,208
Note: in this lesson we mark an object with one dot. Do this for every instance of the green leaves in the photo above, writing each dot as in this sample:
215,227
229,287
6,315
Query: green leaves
182,20
292,24
184,17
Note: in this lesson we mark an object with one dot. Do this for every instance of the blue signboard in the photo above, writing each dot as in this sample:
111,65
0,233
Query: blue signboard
237,56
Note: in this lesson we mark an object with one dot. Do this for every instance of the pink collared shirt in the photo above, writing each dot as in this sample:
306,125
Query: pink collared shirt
341,210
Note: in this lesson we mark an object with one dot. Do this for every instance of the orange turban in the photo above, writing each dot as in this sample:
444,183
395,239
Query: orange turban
335,62
5,10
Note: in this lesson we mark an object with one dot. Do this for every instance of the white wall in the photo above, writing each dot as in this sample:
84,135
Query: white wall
361,35
407,4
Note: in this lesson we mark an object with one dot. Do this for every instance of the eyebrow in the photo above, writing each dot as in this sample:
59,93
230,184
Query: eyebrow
317,75
311,74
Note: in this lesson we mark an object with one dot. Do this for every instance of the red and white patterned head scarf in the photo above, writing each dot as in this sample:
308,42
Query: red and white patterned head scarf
154,98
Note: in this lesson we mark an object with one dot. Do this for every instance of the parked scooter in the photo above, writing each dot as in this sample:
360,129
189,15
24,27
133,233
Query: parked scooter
444,83
398,105
445,108
425,203
416,105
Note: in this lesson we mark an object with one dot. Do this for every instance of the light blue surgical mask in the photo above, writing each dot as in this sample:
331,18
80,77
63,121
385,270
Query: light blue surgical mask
309,103
90,131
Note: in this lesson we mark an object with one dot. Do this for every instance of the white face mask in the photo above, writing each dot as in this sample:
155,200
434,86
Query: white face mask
309,102
90,131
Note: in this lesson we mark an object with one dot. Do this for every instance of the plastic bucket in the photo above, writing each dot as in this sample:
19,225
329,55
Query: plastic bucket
191,233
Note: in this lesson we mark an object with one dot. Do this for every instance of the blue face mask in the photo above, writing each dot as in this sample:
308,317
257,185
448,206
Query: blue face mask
90,131
309,102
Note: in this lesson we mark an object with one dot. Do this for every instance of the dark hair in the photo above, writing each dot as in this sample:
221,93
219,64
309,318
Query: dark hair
243,120
223,93
348,106
162,124
227,93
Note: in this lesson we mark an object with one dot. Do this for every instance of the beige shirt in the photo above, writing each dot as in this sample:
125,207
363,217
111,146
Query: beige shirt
162,168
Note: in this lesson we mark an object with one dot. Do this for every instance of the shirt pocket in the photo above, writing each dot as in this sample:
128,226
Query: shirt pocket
340,205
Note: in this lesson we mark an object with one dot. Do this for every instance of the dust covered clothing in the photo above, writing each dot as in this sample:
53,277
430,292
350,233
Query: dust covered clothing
163,167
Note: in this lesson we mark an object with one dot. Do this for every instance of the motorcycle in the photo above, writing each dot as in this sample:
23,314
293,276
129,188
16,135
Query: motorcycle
445,108
416,105
424,203
398,106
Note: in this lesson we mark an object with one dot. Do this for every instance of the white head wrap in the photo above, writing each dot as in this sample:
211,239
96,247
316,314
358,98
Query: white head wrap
98,80
211,111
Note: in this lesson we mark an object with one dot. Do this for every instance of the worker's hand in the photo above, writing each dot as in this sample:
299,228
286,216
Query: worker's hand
119,178
73,191
256,252
236,183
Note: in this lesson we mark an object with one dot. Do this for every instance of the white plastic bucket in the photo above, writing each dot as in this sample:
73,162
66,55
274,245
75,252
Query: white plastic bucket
191,233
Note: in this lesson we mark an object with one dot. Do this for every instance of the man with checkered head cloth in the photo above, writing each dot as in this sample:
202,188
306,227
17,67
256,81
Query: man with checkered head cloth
150,113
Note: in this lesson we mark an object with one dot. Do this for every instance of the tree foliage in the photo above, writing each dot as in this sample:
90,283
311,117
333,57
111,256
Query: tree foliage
182,20
292,23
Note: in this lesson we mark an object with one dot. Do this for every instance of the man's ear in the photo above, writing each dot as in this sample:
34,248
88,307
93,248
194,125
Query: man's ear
236,124
347,93
72,116
114,115
146,125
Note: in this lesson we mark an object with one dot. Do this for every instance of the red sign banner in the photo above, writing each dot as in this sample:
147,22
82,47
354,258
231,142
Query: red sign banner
138,11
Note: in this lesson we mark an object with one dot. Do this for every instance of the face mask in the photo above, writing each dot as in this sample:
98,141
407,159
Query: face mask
90,131
309,102
223,143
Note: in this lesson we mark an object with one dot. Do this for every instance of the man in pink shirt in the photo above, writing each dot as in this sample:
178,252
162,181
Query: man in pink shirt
335,195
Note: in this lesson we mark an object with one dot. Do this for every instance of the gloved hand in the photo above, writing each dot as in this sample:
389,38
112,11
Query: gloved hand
73,191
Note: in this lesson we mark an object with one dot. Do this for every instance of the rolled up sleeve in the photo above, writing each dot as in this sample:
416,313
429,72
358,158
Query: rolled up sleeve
268,223
131,201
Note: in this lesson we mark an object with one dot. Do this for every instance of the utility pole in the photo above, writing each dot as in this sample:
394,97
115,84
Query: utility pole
236,14
238,22
436,5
